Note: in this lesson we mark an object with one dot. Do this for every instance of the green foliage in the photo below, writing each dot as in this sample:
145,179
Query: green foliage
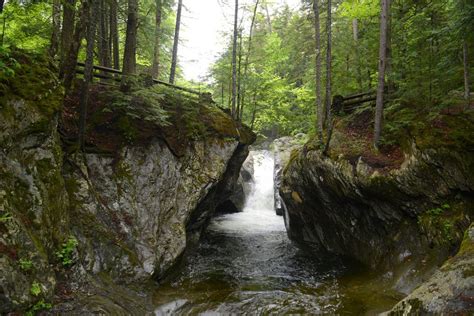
39,306
439,223
26,264
35,289
425,64
27,24
8,65
5,216
66,253
141,104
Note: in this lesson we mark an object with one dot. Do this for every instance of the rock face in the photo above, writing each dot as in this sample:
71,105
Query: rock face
34,217
241,189
128,216
145,200
407,221
282,148
450,290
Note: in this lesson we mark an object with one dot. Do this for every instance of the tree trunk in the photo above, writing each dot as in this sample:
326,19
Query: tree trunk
467,92
67,33
239,79
269,20
4,25
114,36
104,53
56,17
254,112
2,2
328,78
234,60
385,8
88,70
70,62
355,33
174,59
247,57
328,63
155,69
319,105
129,56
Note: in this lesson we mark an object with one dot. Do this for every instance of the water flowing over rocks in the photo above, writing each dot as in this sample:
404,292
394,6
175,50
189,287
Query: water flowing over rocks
406,222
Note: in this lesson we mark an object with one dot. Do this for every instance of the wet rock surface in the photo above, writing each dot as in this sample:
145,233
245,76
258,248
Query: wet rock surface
406,222
450,290
282,149
240,190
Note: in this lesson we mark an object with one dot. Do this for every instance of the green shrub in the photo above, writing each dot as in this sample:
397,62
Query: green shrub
41,305
35,289
65,254
26,264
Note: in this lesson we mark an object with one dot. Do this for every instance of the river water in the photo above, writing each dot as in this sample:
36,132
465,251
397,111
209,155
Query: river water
245,264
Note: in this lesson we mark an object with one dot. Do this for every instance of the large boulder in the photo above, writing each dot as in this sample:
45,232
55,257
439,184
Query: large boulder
405,222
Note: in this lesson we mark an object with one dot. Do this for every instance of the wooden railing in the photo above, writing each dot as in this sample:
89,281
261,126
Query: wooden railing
351,102
111,74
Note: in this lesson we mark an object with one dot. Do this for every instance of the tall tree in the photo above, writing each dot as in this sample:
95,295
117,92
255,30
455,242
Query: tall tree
234,60
317,36
155,69
239,78
56,17
114,34
67,33
384,15
355,36
174,59
267,15
103,34
328,76
88,69
129,55
68,68
247,57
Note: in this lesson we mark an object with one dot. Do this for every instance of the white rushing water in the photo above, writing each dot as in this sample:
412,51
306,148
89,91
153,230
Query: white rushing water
245,264
259,215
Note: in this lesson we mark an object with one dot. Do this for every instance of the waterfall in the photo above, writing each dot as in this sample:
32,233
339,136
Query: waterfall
258,215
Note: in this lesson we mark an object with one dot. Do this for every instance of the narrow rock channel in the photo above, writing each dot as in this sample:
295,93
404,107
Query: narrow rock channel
246,264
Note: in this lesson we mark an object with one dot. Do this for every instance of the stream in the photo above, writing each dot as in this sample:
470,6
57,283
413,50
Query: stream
245,264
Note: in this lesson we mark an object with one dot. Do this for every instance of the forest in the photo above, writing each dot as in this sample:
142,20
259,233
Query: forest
323,163
282,68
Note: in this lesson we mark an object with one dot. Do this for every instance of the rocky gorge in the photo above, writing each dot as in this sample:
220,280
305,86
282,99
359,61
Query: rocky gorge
100,230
